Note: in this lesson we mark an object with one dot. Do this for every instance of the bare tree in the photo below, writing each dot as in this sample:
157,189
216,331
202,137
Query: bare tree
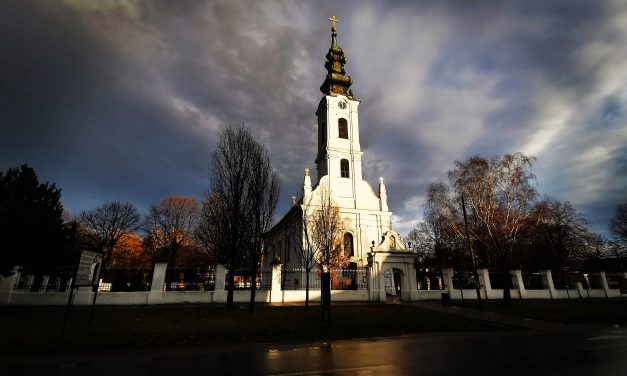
299,233
323,230
169,226
443,225
618,225
559,233
423,241
499,195
595,248
107,224
263,197
240,205
211,233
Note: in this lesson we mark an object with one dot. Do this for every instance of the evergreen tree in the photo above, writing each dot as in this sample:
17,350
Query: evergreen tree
32,233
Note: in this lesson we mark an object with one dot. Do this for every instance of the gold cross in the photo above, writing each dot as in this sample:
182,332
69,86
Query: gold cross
333,20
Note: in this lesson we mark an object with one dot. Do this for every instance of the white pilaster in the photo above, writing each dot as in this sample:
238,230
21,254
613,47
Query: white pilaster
547,281
519,283
275,295
158,276
383,196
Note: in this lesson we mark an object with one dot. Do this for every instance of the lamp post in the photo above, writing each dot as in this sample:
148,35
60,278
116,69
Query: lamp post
370,257
371,282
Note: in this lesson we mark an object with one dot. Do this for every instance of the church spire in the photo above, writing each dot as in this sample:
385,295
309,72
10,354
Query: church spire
336,80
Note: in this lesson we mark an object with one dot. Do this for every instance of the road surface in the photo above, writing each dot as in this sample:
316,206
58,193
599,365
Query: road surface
598,351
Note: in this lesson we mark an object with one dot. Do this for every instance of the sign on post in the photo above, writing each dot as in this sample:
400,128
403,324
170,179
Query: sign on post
88,269
87,274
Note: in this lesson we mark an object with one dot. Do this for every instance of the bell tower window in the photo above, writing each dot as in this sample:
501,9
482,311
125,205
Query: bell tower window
343,128
344,171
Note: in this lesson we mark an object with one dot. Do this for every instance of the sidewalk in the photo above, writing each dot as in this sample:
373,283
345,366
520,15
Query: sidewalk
506,320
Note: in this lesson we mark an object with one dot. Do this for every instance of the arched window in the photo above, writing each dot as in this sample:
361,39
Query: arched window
343,128
348,245
344,171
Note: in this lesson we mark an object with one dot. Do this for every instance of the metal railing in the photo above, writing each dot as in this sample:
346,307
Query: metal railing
564,281
464,280
189,278
243,280
429,280
341,279
533,281
123,279
57,279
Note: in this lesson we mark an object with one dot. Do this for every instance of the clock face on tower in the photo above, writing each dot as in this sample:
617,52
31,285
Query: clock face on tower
342,105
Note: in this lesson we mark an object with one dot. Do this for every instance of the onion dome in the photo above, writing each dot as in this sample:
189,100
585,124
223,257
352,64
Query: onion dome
336,81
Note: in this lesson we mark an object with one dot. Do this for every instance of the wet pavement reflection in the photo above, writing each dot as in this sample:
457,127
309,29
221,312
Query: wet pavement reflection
599,352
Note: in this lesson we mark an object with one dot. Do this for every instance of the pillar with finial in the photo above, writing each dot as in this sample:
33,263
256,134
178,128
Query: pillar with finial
306,187
383,196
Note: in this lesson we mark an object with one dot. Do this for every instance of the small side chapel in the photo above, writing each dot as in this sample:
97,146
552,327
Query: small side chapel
368,238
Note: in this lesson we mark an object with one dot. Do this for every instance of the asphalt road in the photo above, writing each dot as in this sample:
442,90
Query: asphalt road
584,351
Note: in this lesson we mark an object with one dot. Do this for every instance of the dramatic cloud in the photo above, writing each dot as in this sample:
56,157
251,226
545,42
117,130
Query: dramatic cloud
125,99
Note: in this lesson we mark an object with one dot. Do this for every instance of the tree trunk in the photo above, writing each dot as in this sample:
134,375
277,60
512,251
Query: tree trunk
229,289
326,294
168,279
253,290
307,290
507,295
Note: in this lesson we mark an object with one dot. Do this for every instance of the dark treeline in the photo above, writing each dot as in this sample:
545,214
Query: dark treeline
228,227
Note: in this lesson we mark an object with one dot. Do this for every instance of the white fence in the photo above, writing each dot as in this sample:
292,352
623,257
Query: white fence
280,286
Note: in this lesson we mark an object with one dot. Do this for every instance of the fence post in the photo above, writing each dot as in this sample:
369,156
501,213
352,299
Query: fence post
275,292
219,290
518,281
155,295
484,279
44,283
447,275
579,289
158,277
547,281
606,287
6,286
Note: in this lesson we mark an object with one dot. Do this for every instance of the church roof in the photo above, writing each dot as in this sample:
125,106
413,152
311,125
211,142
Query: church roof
336,80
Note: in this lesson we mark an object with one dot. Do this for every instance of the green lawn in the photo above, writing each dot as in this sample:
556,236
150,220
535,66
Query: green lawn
568,311
26,329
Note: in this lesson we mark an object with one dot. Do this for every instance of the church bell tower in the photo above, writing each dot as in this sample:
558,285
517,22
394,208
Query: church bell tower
339,153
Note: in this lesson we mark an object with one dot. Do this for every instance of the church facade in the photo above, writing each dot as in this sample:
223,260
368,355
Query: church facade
365,214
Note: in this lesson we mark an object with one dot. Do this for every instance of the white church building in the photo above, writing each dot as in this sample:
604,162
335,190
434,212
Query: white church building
368,239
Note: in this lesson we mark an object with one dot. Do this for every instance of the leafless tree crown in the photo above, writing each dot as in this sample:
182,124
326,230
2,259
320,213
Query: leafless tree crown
107,223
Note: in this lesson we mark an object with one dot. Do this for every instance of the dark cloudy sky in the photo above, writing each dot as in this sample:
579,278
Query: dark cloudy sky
125,100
